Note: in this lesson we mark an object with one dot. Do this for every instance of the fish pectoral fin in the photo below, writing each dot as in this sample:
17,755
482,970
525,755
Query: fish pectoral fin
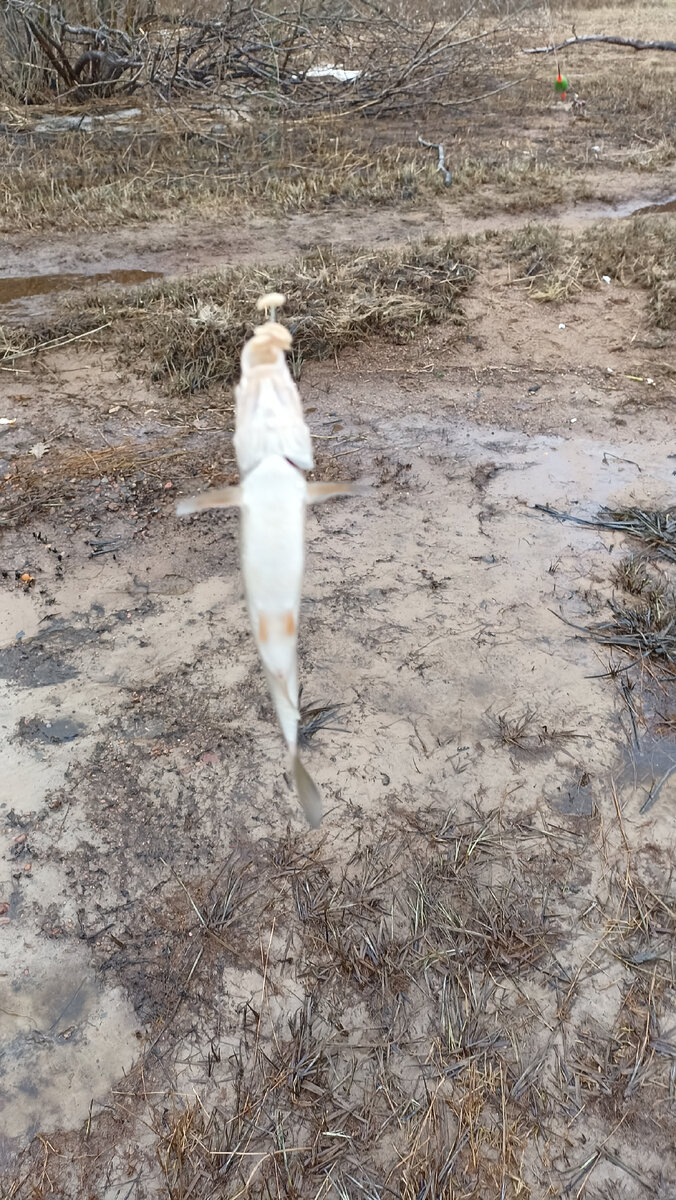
317,493
308,794
226,497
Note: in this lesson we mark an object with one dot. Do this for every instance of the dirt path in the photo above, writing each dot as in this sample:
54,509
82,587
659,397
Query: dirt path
36,269
139,750
466,979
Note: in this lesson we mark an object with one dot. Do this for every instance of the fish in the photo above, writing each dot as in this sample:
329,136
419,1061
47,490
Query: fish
272,499
273,448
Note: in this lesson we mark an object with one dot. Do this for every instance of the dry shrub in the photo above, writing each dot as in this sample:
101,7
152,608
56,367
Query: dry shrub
400,60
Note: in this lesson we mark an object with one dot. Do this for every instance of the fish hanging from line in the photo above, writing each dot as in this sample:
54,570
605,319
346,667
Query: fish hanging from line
273,448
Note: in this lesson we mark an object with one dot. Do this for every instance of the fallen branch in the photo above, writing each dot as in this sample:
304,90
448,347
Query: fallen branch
611,39
106,66
441,166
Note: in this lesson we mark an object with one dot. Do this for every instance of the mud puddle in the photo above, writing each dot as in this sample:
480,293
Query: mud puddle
636,206
432,612
661,206
21,295
64,1038
63,682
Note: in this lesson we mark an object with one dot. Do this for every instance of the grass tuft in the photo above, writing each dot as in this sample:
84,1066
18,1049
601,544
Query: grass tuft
195,329
641,251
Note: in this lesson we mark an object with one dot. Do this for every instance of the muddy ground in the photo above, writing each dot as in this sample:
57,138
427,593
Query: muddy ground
463,984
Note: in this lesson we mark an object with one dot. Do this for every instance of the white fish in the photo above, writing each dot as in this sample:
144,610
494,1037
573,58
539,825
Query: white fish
268,411
272,500
273,447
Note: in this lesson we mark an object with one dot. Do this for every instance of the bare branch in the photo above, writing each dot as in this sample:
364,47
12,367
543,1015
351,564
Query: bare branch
441,166
611,39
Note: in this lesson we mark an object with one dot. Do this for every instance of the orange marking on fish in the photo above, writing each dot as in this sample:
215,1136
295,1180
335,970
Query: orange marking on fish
263,629
289,624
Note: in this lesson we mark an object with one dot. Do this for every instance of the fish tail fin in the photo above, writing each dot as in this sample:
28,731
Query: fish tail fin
308,793
285,707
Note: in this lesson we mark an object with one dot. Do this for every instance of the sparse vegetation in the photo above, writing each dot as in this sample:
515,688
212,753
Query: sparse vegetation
557,265
655,528
405,1063
193,330
632,576
280,166
646,630
526,732
463,986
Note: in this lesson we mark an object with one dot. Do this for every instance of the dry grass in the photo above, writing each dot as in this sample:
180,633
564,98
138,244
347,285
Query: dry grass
222,154
514,183
205,164
31,487
97,180
194,329
641,251
241,136
646,627
644,630
189,336
525,731
632,576
654,528
420,1088
425,1036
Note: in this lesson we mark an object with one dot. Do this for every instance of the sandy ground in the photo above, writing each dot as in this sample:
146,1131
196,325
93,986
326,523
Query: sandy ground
140,761
463,984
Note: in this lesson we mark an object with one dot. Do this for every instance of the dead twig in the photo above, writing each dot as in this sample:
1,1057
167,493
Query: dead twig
441,166
610,38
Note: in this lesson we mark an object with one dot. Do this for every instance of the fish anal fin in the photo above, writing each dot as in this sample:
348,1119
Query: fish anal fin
225,497
317,493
